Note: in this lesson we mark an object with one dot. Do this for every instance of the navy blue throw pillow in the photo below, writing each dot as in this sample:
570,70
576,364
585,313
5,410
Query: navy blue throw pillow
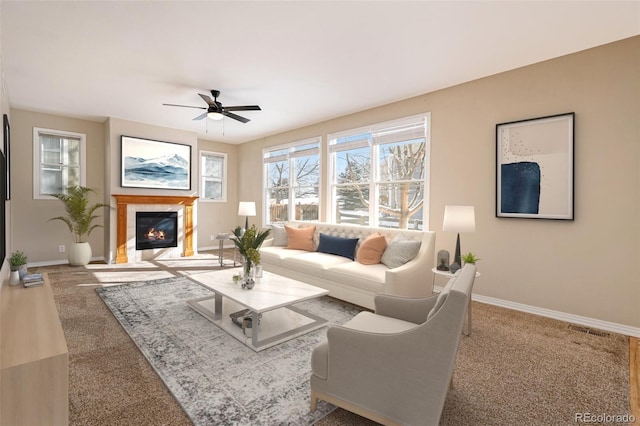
345,247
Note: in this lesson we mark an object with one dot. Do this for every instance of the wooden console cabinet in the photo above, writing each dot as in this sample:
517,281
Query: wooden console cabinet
34,360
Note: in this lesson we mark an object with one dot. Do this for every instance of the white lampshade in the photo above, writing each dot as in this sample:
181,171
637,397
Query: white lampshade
459,219
247,208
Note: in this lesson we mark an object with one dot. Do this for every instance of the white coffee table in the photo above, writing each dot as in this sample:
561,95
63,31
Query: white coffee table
270,303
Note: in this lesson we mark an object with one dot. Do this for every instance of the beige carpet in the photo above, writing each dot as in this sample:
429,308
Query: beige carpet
514,369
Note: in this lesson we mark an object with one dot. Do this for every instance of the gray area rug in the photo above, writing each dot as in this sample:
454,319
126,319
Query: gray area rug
216,379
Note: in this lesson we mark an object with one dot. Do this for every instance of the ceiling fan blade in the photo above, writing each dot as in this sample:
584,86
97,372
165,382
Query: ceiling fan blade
235,117
242,108
207,99
184,106
201,116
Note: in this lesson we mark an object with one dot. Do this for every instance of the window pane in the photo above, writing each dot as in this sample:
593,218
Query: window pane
307,170
277,206
71,156
352,204
400,205
278,174
51,180
212,189
212,166
353,166
402,161
306,202
55,180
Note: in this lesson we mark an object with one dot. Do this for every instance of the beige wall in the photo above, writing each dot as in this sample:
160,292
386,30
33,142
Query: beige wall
30,230
216,217
588,267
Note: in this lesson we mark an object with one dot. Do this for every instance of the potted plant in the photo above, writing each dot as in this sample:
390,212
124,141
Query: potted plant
18,266
248,244
79,219
469,258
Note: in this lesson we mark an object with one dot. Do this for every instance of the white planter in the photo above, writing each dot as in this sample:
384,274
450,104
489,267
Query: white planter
14,278
79,254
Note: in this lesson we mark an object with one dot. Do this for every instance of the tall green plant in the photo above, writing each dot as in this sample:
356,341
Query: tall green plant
79,214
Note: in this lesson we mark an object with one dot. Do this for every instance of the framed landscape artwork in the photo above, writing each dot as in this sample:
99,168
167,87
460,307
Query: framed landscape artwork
534,168
148,163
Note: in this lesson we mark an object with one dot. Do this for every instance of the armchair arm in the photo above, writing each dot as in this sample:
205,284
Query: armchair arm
408,309
412,278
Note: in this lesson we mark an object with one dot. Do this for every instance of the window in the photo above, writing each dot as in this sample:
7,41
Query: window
58,161
379,174
292,181
213,176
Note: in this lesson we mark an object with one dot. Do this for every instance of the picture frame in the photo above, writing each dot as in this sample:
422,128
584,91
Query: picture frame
148,163
535,168
6,133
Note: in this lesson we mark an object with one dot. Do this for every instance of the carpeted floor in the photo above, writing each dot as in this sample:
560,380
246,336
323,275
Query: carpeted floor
516,368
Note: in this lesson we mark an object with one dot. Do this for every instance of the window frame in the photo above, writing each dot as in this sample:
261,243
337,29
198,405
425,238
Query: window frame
375,179
291,155
224,156
37,163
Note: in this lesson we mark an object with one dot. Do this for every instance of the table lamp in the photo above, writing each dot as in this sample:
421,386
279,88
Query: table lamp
458,219
247,208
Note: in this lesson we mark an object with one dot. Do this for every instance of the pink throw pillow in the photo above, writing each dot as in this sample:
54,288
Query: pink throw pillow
300,238
371,249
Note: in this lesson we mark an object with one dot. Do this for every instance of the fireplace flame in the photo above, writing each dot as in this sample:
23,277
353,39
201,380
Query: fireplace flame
154,234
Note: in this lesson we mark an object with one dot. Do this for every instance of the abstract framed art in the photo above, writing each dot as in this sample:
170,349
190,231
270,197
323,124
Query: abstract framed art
535,168
149,163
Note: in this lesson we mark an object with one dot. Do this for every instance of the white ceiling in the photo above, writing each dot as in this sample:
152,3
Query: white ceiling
302,62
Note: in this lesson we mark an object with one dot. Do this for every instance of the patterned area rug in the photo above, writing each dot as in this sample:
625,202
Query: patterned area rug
216,379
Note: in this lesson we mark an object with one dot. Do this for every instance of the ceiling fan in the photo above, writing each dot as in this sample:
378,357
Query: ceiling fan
216,111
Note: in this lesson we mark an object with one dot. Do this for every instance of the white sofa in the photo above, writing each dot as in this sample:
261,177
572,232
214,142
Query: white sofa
348,279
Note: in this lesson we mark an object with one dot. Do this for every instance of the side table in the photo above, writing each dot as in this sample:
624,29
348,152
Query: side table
221,239
449,275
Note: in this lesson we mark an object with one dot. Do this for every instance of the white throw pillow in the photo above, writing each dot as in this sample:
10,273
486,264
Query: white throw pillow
279,235
399,251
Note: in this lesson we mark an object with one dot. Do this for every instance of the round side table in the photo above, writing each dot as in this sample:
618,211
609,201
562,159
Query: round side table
448,274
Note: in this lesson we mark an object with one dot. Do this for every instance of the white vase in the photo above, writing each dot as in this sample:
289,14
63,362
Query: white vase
14,278
79,254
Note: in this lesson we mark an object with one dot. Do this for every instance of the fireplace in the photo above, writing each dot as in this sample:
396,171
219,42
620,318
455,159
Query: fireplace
156,230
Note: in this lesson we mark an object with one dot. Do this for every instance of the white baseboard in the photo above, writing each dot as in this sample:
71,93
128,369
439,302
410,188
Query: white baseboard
561,316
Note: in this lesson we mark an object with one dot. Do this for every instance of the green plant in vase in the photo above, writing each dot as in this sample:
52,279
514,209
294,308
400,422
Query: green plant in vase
469,258
248,244
18,262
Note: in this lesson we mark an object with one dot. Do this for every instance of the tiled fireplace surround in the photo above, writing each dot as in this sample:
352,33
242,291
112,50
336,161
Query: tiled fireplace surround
127,205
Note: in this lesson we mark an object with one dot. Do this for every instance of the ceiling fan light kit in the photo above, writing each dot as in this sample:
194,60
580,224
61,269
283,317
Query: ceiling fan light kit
216,111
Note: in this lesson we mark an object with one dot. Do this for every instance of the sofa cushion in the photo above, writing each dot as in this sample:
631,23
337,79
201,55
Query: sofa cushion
300,238
371,249
399,251
345,247
313,263
273,255
279,235
354,274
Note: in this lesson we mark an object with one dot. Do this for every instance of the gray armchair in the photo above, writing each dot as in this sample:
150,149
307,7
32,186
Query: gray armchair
394,366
